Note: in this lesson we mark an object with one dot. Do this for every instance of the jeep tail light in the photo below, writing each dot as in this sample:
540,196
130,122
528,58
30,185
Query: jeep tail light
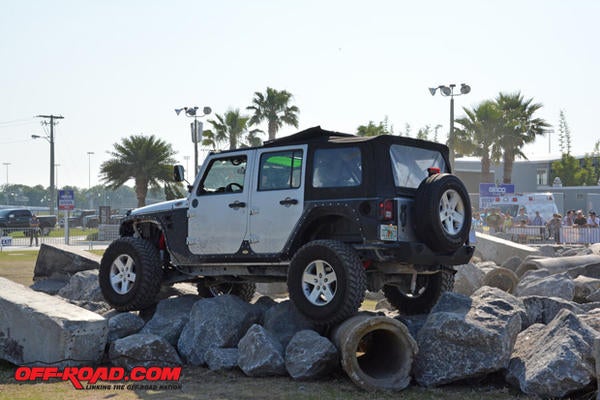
433,170
162,245
386,210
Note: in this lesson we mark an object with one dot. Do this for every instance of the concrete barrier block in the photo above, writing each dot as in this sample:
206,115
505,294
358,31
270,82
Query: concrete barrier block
499,250
38,329
62,261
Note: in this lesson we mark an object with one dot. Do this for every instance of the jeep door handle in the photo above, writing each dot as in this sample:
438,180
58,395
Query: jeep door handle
288,201
237,204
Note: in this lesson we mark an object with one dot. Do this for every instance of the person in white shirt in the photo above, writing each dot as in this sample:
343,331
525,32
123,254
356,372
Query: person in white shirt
593,221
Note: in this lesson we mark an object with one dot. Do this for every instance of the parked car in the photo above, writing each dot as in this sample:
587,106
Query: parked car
332,214
77,218
17,218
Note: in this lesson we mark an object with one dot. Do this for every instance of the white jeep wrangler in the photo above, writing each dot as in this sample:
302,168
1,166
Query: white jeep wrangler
330,213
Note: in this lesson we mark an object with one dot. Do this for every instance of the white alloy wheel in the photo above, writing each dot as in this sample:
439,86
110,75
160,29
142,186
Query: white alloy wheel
452,211
319,283
122,274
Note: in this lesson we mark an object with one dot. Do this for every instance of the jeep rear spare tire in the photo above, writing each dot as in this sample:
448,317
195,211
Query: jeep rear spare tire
130,274
326,281
442,212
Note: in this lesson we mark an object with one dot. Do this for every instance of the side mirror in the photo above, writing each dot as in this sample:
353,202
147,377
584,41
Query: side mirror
178,173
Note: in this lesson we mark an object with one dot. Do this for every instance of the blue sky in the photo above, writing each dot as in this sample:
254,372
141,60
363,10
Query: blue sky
118,68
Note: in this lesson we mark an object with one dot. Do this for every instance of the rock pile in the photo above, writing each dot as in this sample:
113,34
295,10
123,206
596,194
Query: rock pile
534,320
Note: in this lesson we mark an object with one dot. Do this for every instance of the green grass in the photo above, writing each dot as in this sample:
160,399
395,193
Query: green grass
60,232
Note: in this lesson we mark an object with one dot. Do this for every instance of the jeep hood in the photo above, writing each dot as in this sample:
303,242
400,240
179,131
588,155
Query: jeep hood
158,207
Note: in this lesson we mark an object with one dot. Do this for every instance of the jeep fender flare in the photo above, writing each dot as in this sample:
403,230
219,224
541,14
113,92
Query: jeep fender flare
316,214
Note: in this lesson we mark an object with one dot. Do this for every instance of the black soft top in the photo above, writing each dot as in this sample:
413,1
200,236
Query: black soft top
318,135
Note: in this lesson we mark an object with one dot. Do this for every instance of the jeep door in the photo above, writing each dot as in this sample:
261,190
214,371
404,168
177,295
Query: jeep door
218,208
277,198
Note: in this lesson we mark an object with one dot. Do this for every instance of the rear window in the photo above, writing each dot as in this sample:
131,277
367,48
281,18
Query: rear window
410,164
337,167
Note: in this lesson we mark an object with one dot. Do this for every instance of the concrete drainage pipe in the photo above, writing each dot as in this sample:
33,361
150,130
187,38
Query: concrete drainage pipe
377,352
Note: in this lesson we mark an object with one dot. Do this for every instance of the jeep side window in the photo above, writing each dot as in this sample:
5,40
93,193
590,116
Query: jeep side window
338,167
224,175
280,170
409,164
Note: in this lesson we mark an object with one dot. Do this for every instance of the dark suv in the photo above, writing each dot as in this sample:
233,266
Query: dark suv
330,213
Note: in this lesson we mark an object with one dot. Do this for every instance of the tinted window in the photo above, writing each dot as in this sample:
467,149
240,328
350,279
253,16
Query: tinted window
224,175
410,164
280,170
339,167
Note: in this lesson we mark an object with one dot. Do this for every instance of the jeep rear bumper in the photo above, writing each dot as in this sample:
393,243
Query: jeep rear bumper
414,253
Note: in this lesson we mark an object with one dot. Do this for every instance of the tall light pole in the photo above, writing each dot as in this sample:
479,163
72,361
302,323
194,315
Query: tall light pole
6,164
50,139
56,175
196,127
448,91
187,159
89,153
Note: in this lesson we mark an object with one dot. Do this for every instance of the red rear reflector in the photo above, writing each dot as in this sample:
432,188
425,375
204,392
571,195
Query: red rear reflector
433,170
386,210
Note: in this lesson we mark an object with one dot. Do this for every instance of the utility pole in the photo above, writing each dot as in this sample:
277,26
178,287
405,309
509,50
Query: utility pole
52,188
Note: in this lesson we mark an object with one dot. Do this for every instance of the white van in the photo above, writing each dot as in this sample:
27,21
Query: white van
532,202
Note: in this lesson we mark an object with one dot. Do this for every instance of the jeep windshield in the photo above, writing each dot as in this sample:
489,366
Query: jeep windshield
410,164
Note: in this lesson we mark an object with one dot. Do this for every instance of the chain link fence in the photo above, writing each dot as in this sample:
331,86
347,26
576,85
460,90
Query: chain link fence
542,235
32,237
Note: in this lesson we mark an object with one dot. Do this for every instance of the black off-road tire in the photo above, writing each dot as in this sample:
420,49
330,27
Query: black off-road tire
435,285
442,217
145,264
243,290
343,274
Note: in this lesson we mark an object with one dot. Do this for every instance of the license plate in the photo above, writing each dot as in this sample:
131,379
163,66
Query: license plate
388,232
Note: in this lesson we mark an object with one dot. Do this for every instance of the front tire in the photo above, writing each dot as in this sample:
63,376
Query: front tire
428,290
326,281
130,274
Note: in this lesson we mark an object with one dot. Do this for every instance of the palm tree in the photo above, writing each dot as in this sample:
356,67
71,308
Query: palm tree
231,127
519,128
478,135
275,109
145,159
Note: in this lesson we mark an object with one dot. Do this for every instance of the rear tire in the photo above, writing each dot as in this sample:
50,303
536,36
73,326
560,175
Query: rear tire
326,281
429,289
130,274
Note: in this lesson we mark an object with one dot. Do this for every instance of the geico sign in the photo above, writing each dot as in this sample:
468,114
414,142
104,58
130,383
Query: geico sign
497,190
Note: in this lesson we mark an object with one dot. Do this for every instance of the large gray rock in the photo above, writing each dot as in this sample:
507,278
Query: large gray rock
219,359
589,270
592,318
170,317
467,337
143,349
83,286
553,360
542,310
499,250
584,287
283,320
556,285
215,322
594,297
61,262
36,328
468,278
261,353
310,356
123,324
